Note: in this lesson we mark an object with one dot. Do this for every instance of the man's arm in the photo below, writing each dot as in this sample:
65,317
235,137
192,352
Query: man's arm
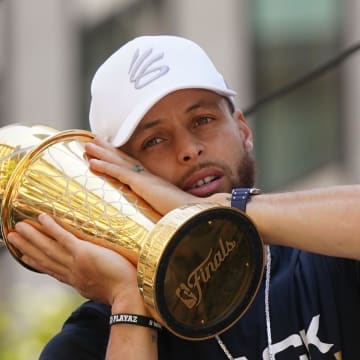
132,343
325,221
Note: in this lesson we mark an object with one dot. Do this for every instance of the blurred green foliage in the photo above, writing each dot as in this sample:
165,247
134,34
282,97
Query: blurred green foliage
31,319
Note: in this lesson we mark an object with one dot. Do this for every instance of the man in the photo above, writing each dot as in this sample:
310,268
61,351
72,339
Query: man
167,128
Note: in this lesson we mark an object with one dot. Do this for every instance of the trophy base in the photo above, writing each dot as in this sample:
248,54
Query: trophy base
200,269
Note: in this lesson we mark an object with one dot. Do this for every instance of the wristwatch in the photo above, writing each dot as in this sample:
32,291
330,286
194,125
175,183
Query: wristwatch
240,197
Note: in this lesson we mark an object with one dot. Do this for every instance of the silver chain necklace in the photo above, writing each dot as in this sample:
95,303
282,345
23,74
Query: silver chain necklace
267,312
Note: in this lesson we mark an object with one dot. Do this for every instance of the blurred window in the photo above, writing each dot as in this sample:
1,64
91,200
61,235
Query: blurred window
301,131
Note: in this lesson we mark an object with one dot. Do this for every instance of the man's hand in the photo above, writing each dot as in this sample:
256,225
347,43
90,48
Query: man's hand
95,272
160,194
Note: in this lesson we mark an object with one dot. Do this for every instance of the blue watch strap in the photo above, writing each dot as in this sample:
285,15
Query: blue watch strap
240,197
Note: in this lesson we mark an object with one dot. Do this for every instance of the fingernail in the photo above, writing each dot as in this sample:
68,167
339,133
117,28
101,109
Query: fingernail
42,217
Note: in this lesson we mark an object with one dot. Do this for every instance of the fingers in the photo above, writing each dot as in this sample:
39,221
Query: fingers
107,152
97,140
50,227
39,250
114,163
99,152
159,193
125,172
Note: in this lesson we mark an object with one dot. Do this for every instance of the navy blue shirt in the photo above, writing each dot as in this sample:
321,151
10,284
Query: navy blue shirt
314,310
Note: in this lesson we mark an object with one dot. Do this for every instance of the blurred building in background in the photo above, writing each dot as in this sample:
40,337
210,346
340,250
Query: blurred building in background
49,50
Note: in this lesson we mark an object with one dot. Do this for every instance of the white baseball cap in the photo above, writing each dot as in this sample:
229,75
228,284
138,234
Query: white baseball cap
142,72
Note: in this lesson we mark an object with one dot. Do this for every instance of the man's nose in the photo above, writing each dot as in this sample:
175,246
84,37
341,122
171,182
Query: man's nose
190,148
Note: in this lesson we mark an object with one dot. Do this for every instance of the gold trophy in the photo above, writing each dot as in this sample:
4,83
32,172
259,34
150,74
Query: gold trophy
199,267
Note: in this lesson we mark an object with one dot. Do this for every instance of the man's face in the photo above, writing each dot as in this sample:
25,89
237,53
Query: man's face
191,139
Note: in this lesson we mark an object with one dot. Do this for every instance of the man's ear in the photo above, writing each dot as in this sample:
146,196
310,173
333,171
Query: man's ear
244,129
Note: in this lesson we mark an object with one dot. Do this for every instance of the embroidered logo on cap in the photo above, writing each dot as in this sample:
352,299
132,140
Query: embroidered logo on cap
144,69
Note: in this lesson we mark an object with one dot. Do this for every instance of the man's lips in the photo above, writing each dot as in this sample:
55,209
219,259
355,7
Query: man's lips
207,189
203,182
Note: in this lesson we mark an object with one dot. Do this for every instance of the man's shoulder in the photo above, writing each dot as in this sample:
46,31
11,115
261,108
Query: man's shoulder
83,336
92,308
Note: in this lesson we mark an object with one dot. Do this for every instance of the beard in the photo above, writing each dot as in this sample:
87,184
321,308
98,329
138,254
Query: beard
245,176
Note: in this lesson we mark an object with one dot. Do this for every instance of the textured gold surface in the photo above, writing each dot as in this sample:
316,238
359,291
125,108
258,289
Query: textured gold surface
54,178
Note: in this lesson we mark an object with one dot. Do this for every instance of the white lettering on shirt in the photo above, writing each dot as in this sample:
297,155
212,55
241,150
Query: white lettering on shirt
302,339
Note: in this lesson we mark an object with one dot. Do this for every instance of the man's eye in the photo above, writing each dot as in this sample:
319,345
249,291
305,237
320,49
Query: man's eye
203,120
152,142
